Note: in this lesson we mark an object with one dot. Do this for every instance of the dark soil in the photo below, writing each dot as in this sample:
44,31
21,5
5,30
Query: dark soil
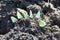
28,31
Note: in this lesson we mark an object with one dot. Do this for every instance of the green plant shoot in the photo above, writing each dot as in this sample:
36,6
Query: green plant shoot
31,15
19,16
38,14
13,19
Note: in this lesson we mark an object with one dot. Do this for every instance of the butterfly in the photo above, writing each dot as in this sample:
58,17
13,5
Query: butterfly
13,19
41,23
31,15
26,16
19,16
38,14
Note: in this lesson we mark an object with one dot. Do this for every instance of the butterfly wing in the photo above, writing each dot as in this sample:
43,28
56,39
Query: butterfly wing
13,19
19,16
38,14
26,16
31,15
42,23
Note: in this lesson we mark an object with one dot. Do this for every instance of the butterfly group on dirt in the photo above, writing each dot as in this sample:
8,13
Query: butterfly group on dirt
26,16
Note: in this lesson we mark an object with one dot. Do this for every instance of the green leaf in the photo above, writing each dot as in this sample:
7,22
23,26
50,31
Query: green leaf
41,23
13,19
38,14
31,15
26,16
19,16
